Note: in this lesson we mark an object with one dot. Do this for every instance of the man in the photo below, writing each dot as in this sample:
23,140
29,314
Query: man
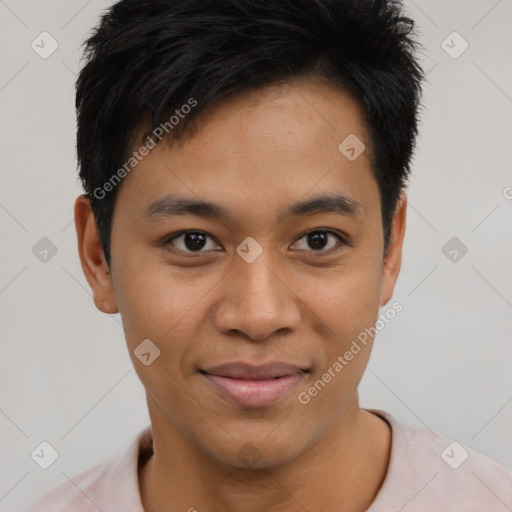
245,164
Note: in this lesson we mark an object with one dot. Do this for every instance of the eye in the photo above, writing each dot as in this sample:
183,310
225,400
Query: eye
319,240
192,241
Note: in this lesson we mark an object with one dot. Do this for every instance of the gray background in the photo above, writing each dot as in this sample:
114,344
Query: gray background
443,362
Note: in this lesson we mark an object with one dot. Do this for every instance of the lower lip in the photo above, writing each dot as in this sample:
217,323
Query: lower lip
255,393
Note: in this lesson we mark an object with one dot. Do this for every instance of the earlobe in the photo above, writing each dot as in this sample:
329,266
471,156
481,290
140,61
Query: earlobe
393,260
92,257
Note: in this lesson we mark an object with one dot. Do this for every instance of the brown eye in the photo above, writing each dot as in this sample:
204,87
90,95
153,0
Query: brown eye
192,241
318,240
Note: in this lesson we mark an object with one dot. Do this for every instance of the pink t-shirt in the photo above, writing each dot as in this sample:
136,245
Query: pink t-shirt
427,472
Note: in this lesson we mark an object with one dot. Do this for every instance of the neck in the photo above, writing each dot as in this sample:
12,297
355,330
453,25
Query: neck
344,469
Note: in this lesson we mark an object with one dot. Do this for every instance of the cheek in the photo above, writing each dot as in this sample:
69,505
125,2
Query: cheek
345,307
156,300
345,300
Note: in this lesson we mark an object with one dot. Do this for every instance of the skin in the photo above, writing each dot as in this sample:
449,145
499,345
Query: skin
255,154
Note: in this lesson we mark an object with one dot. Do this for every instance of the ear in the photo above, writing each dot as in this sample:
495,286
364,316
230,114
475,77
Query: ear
92,257
393,260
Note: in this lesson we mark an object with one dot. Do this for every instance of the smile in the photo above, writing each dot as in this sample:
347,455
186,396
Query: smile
249,386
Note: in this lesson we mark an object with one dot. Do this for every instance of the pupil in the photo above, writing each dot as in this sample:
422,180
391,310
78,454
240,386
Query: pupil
195,241
317,240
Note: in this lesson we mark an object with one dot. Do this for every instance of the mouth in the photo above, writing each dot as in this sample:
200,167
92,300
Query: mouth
254,386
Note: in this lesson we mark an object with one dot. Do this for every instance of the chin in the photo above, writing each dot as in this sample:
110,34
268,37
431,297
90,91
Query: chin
252,451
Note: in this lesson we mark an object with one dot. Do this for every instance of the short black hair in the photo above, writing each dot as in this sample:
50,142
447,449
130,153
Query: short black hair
149,58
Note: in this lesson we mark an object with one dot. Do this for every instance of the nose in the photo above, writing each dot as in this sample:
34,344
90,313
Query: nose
257,301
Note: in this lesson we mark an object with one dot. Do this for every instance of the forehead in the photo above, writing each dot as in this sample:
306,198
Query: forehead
260,147
297,116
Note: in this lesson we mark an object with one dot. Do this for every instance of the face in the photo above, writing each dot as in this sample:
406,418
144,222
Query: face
249,251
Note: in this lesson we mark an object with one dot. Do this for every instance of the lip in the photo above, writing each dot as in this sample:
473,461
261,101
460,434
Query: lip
254,386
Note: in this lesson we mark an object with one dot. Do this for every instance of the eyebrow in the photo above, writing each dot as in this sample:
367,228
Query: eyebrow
170,205
335,203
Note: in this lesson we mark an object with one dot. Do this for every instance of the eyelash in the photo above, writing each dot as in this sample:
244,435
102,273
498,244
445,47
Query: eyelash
342,241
